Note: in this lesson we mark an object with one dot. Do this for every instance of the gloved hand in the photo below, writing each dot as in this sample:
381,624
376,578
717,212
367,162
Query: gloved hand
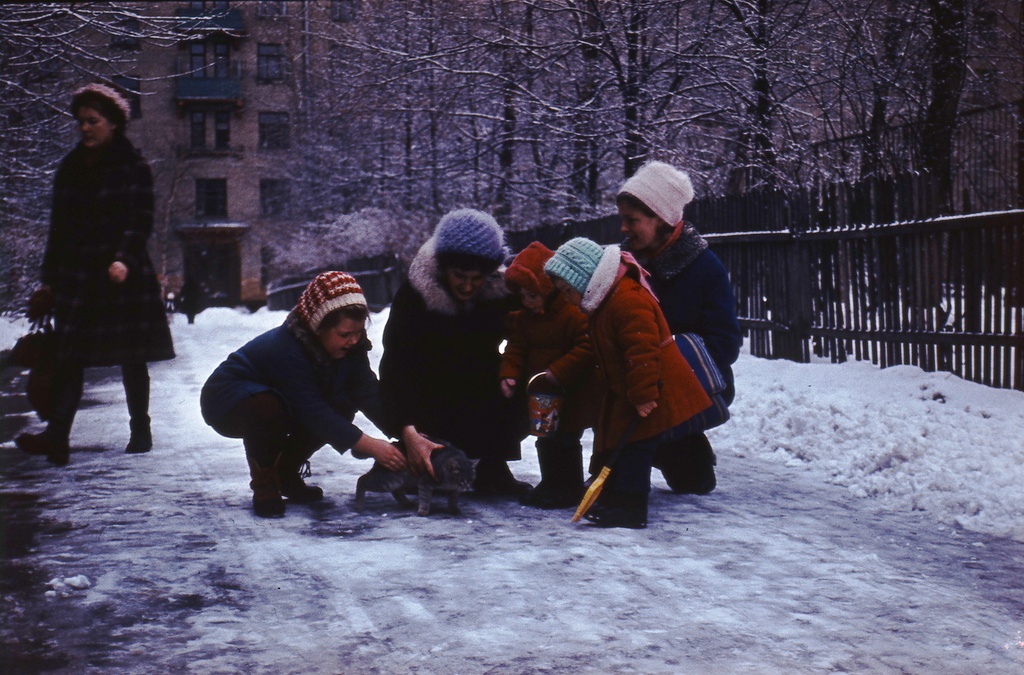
40,303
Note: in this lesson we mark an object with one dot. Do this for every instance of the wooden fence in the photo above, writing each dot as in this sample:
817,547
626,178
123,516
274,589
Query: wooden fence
945,294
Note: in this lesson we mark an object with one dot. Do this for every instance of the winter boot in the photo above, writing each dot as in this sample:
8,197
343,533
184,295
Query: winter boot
136,390
49,443
561,472
266,493
495,479
142,437
290,475
619,509
688,465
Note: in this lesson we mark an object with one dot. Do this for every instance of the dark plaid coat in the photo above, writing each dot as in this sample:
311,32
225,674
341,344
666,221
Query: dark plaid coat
103,212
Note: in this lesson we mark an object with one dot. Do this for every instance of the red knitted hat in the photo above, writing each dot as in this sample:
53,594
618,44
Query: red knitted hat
328,292
527,270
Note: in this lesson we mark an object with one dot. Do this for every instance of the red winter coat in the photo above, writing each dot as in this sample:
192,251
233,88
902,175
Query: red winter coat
635,352
556,340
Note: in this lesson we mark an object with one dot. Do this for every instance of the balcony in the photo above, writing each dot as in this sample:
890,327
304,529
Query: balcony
192,87
207,22
234,151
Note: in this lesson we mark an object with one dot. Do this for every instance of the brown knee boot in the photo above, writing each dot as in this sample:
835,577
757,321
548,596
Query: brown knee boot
266,492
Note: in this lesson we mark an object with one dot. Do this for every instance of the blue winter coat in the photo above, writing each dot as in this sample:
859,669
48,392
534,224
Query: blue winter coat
321,394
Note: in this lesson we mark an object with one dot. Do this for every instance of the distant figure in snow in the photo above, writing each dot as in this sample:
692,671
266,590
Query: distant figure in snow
297,387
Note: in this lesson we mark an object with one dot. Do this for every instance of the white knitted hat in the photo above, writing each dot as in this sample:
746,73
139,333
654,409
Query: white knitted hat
663,188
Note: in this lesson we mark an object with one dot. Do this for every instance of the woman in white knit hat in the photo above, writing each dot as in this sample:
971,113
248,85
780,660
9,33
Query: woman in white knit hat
695,294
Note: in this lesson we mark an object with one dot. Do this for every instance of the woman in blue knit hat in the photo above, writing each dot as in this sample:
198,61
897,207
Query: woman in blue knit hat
439,371
695,294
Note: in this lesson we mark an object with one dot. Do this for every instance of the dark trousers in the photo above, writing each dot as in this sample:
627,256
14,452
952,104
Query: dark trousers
69,383
631,473
267,431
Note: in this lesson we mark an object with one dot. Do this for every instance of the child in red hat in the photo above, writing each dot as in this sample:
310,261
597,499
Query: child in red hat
549,337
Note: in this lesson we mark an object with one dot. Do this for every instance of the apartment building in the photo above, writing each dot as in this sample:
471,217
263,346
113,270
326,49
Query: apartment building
215,112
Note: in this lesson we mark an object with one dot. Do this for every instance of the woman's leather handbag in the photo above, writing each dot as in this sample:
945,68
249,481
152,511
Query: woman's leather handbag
36,351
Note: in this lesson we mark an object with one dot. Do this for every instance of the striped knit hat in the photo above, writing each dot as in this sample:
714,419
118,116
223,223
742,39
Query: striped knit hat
328,292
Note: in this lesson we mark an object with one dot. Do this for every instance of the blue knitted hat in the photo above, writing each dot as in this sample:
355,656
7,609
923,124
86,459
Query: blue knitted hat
575,262
470,232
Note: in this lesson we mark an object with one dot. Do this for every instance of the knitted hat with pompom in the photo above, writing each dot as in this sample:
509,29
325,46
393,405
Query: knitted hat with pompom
327,292
575,262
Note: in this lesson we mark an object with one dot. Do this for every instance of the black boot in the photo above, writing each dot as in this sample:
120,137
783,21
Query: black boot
142,437
495,479
49,443
293,487
136,390
561,473
619,509
688,465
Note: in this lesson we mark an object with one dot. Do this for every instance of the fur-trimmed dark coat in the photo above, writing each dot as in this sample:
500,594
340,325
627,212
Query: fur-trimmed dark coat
102,213
322,395
696,296
636,356
440,366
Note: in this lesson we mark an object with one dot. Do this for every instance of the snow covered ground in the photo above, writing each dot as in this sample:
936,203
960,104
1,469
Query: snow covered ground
866,520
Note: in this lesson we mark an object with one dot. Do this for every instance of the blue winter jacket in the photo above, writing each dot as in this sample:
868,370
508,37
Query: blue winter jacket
322,395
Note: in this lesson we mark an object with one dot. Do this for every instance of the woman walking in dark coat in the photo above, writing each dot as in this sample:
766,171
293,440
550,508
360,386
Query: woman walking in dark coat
439,372
695,295
97,276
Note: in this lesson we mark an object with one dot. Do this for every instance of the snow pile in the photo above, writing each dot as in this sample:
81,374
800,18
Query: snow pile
917,440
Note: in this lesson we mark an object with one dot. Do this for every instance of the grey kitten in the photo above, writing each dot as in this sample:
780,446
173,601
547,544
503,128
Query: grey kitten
455,473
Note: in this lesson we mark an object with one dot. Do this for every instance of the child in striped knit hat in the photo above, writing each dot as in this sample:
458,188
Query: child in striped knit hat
296,388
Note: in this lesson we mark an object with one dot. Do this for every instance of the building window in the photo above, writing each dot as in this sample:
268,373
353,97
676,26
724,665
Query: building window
221,60
275,197
197,60
344,10
222,130
269,63
274,131
132,90
211,198
197,130
270,8
126,34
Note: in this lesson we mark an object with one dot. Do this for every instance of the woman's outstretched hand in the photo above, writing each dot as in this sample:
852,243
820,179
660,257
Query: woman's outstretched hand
419,448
